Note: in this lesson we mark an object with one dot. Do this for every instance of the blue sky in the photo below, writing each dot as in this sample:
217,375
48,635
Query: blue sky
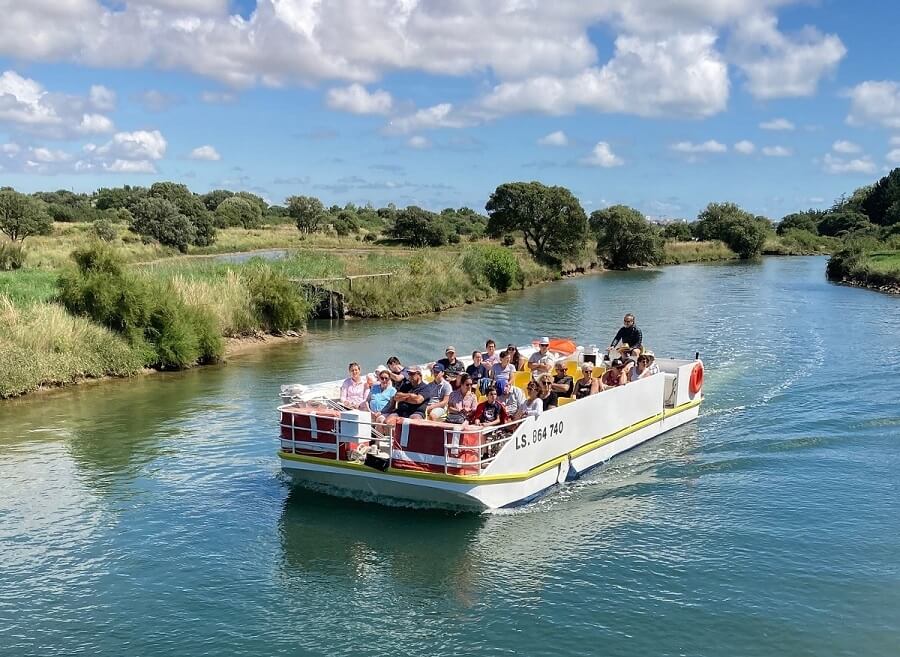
665,106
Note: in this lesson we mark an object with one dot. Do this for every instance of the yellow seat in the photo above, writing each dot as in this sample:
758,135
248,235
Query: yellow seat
562,401
598,372
572,368
520,379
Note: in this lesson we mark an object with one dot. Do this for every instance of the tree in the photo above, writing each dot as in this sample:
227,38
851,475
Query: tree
551,219
678,231
741,231
797,221
118,197
842,222
213,198
22,216
258,201
418,227
237,211
345,223
625,237
884,194
160,219
307,211
189,205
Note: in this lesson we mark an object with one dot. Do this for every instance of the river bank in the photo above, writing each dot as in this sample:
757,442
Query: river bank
873,270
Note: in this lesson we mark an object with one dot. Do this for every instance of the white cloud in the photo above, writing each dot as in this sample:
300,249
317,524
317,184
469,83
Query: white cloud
205,152
603,156
102,98
358,100
95,124
776,151
10,149
130,166
154,100
777,124
48,155
837,165
777,66
218,97
893,156
429,118
845,147
557,138
745,147
709,146
875,103
137,145
418,142
895,141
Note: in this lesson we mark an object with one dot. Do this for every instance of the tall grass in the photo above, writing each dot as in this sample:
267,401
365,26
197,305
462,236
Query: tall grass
676,253
226,298
27,286
43,345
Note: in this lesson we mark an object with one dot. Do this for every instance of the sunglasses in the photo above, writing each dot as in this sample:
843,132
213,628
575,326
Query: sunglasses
385,377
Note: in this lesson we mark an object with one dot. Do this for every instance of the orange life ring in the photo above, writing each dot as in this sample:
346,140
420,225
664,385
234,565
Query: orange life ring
696,378
560,346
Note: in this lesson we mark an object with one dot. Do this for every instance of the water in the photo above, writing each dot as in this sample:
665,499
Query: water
149,517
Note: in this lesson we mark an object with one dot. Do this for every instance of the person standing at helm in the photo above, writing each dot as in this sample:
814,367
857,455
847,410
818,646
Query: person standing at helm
629,334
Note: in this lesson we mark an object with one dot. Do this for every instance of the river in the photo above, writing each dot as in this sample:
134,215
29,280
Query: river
149,517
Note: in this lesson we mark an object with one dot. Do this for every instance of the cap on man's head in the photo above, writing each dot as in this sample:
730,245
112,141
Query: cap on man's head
649,353
437,367
449,349
501,386
544,341
617,363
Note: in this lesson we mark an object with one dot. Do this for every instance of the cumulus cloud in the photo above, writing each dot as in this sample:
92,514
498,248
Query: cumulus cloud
102,98
218,97
777,124
745,147
130,166
358,100
875,103
778,66
837,165
776,151
418,142
137,145
557,138
154,100
603,156
893,156
205,152
95,124
442,115
845,147
709,146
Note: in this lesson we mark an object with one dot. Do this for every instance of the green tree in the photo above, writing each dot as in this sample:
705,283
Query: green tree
22,216
843,222
678,231
213,198
160,219
741,231
237,211
258,201
189,205
307,211
884,196
551,219
625,237
418,227
118,197
799,221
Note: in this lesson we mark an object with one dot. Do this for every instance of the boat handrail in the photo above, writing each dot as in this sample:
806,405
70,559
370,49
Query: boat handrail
483,447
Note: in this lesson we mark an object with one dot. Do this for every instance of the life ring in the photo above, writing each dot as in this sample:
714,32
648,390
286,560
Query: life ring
560,346
696,378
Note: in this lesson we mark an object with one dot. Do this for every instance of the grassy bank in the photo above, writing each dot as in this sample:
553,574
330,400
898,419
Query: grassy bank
677,253
877,270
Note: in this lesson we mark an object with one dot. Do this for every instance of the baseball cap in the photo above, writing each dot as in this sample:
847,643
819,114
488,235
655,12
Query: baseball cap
501,386
450,348
437,367
544,340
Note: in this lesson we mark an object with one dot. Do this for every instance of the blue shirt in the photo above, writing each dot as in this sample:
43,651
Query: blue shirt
379,397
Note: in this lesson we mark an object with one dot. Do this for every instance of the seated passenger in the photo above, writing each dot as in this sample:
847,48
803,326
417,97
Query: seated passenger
541,361
410,400
490,412
549,396
453,367
512,399
628,334
382,392
587,384
645,367
396,371
478,372
562,382
503,370
516,359
614,376
438,394
355,388
490,356
533,405
462,400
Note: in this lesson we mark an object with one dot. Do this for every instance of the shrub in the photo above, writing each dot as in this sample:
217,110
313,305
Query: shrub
277,303
62,213
625,237
508,240
12,256
104,230
238,211
160,219
494,265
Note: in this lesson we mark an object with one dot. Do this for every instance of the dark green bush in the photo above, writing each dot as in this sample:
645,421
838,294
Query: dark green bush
104,230
495,266
277,303
161,220
508,240
12,256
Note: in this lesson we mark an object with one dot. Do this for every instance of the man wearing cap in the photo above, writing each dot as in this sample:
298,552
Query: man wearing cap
438,394
411,397
629,334
541,362
453,367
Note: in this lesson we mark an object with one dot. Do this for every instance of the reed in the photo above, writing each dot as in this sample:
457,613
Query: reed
676,253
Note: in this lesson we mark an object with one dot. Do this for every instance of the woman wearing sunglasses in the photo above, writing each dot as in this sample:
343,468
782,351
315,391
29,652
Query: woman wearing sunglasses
462,401
382,391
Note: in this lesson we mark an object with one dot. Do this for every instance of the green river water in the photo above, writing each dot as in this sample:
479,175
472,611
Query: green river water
149,517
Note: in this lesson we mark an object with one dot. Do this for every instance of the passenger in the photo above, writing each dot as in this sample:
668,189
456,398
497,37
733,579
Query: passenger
438,394
355,388
533,405
410,400
512,399
562,382
462,400
629,333
478,372
453,367
614,376
516,359
645,367
382,392
503,370
396,371
548,395
587,384
491,356
490,412
541,361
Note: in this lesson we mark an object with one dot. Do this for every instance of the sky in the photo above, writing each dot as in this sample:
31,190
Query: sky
664,105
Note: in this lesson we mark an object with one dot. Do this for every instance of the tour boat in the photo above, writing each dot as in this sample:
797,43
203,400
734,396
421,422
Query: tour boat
346,452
